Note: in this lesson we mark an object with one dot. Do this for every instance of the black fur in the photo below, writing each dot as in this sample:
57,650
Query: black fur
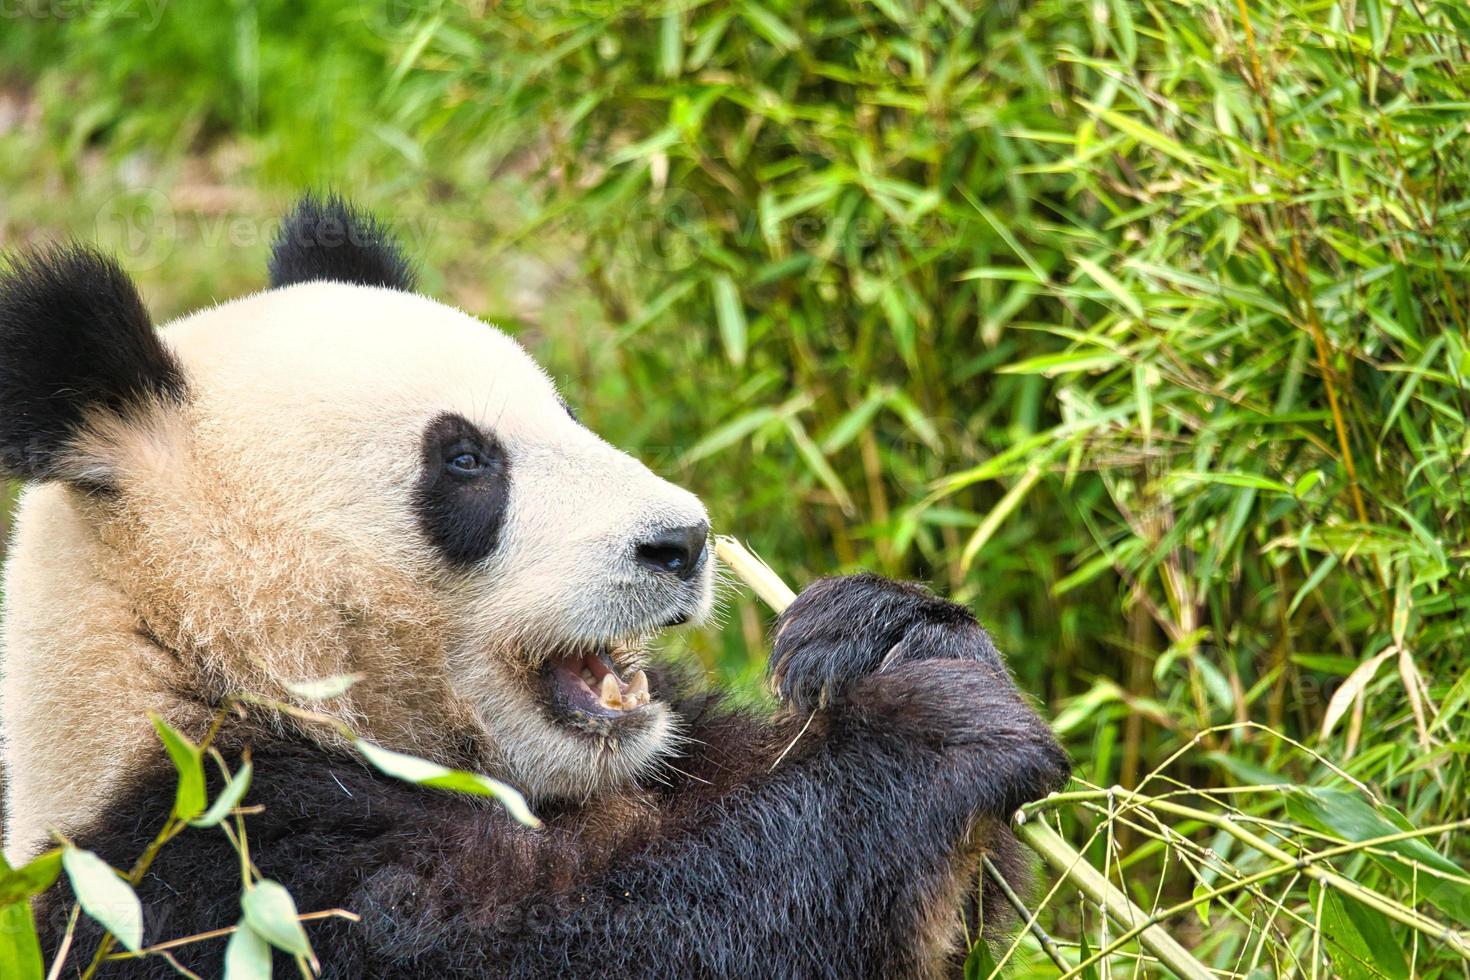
831,862
75,339
327,239
462,515
816,657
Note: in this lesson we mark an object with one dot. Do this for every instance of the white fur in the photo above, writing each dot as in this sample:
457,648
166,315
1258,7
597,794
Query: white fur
266,533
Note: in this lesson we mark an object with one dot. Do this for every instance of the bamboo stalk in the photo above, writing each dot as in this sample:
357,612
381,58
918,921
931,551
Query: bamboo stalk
1034,833
1067,862
764,582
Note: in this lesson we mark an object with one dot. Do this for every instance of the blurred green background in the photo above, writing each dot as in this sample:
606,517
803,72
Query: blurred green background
1138,326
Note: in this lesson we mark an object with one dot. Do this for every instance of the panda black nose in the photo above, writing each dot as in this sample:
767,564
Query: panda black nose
676,550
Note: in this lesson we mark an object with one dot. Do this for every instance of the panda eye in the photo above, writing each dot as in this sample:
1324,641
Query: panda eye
465,464
463,490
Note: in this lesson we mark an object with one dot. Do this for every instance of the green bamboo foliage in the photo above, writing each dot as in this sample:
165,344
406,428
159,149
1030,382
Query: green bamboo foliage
1139,326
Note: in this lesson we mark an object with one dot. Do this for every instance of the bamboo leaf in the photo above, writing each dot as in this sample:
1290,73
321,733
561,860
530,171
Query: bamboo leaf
247,955
422,772
1366,946
20,949
730,433
999,513
1348,816
1202,902
851,425
30,879
1052,365
671,44
324,688
1244,480
730,314
105,896
1351,689
1111,285
770,27
818,463
980,964
270,913
190,797
228,798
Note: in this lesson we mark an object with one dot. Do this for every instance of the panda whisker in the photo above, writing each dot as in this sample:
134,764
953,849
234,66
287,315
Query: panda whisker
656,775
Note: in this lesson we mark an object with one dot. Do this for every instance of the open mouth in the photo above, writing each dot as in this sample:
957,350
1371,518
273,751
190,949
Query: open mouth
584,687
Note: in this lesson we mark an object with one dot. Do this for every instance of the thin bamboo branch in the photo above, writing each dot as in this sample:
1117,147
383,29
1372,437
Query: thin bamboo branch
1307,864
61,953
220,933
1455,940
1075,868
1048,945
1300,864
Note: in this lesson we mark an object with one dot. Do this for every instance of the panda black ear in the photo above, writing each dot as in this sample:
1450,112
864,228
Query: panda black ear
328,239
75,343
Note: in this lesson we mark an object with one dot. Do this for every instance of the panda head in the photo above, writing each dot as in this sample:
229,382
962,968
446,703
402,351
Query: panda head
335,476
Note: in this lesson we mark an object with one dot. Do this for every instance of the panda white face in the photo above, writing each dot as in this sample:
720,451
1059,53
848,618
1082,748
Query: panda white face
333,477
381,430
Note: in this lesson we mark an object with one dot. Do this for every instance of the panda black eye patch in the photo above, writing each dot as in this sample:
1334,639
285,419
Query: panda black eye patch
463,489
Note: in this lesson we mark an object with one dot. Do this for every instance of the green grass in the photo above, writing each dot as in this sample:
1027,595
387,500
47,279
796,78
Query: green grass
1141,327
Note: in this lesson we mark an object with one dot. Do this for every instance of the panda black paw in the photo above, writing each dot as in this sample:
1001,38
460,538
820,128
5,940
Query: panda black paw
840,630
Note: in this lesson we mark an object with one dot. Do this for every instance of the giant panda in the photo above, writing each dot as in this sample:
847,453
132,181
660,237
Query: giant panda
340,476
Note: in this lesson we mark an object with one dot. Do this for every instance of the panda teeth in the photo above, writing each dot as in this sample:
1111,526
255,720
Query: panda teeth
638,689
612,694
